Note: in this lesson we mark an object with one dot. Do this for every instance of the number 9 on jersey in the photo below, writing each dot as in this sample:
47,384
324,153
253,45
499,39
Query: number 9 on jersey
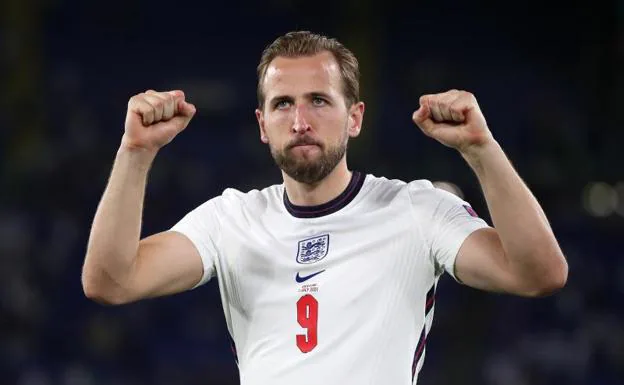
307,316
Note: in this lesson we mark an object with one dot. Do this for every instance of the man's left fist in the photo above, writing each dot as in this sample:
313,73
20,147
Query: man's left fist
454,119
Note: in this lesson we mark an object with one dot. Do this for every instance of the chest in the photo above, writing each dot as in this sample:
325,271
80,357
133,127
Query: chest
273,260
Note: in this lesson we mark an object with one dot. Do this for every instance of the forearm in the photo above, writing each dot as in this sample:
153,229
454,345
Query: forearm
116,228
531,249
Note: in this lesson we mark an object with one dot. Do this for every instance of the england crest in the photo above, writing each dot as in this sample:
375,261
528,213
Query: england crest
313,249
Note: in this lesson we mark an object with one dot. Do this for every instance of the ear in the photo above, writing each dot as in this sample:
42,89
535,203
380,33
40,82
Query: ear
263,135
356,116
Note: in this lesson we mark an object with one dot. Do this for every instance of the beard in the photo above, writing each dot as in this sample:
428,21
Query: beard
305,170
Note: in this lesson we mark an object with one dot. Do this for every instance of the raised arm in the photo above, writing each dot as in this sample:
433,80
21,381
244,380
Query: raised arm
521,254
118,267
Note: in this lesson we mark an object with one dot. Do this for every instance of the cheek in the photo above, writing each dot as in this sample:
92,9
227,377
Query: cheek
276,131
334,126
326,121
276,122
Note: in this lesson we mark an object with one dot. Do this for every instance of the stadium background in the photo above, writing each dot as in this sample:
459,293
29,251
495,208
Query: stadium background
549,80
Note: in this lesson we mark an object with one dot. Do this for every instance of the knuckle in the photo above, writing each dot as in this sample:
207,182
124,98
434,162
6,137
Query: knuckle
158,103
169,100
134,99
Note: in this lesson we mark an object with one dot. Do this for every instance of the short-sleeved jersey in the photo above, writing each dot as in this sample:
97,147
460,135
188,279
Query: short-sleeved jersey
340,293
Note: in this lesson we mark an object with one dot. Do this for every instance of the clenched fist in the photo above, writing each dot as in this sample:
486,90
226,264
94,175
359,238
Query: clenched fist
454,119
155,118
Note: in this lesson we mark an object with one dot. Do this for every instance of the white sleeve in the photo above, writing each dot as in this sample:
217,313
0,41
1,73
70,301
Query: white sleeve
202,227
453,220
447,221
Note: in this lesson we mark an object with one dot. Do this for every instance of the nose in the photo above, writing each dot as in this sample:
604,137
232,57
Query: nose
300,125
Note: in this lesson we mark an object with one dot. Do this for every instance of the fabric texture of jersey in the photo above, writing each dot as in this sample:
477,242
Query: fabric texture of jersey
341,293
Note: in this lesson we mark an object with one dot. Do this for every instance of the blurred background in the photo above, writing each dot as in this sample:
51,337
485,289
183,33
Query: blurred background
549,81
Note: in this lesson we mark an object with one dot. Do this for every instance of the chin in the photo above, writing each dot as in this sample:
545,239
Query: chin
308,165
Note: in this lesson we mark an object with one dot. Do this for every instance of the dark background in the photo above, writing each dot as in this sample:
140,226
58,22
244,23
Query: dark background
549,79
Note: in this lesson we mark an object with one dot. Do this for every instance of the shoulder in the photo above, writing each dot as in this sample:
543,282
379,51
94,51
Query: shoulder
424,192
419,192
380,186
232,201
388,188
255,199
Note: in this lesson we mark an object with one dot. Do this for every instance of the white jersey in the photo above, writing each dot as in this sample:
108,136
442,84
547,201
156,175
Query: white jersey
340,293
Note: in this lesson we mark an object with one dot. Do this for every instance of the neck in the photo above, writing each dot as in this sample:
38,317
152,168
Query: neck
302,194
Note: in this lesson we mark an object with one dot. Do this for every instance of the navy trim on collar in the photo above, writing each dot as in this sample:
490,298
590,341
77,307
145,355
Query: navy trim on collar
349,193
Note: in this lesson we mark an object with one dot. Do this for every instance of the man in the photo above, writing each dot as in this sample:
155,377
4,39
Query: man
328,278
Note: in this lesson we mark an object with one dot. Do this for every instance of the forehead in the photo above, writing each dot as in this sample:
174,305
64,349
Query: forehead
302,74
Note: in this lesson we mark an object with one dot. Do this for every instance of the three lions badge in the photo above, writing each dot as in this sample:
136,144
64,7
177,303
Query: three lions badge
313,249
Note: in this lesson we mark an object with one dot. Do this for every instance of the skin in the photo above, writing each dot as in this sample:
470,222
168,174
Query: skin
520,255
305,104
306,124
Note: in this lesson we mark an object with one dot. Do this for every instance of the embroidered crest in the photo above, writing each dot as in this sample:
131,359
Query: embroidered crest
313,249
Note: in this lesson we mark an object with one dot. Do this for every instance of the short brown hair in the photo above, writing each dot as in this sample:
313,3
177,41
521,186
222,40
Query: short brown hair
304,43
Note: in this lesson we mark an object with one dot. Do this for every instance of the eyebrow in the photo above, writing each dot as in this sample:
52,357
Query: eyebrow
318,95
280,98
309,95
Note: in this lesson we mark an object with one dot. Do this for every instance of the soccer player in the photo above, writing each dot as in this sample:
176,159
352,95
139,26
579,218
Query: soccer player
328,278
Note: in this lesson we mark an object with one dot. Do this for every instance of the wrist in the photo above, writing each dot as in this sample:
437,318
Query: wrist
139,156
476,155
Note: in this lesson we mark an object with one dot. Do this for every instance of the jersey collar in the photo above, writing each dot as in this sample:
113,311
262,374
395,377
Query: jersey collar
345,197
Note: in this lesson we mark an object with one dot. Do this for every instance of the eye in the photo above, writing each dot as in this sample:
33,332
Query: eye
282,104
317,101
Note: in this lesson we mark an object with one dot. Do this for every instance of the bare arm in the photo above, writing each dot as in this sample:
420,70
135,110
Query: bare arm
521,255
119,268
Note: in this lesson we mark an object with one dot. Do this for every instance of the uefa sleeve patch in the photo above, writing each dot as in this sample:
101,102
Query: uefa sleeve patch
471,211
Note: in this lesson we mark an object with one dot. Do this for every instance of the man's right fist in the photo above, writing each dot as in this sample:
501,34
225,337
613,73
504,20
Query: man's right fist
155,118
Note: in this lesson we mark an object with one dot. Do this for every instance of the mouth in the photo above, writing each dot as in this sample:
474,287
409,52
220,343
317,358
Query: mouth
305,145
304,150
